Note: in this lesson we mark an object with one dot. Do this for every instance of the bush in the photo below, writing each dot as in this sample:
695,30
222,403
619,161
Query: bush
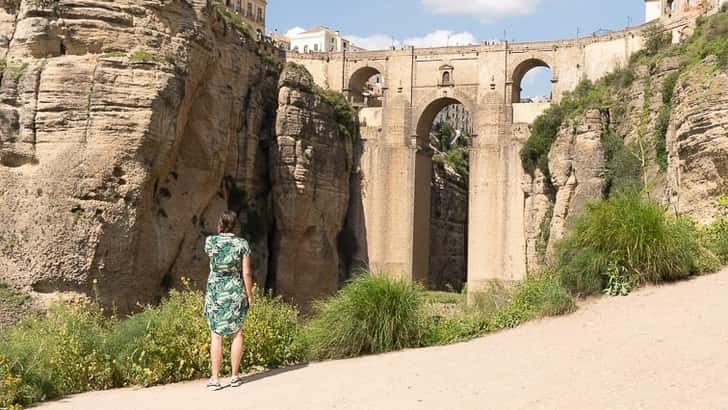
624,168
536,297
543,134
57,354
163,344
716,235
344,113
656,39
501,307
463,324
12,389
372,314
272,334
634,233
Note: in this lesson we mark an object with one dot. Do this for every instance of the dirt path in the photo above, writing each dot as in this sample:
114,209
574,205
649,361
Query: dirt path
661,348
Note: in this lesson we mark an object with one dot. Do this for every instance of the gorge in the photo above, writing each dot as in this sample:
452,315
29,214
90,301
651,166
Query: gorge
126,127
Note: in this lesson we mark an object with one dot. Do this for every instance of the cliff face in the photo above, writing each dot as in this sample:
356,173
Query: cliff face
697,141
126,127
696,170
311,169
449,229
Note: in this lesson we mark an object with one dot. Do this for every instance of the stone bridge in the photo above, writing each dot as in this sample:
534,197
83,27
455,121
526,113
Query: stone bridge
396,163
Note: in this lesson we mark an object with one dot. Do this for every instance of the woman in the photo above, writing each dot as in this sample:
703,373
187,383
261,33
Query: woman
226,301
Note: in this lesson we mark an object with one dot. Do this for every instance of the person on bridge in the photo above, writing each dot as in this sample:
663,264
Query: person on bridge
228,296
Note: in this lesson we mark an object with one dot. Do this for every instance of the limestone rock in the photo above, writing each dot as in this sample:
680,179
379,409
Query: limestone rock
697,143
538,208
449,229
125,128
311,168
577,166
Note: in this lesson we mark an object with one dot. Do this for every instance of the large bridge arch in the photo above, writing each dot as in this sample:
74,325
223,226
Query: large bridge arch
423,118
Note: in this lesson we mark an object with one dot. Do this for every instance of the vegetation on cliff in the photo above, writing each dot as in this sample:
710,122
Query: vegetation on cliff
608,94
627,238
450,151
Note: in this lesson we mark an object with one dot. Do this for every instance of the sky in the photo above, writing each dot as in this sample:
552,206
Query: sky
378,24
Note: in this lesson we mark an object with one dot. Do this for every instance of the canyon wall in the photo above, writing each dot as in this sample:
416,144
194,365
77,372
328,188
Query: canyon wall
696,171
311,169
126,127
449,229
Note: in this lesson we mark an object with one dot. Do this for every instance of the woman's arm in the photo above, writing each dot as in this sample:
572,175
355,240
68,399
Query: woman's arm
248,279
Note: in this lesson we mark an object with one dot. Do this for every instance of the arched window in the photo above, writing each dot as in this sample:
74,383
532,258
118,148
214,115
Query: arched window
305,48
446,77
295,49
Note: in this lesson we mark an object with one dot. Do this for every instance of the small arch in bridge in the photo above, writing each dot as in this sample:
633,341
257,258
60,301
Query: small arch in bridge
366,87
532,78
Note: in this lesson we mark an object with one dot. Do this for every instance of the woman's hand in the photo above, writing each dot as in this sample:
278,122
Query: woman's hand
248,279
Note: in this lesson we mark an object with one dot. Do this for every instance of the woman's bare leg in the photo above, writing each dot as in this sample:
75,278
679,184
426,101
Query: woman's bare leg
216,355
236,352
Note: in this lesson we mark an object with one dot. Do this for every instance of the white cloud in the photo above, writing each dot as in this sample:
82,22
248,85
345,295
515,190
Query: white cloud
441,38
486,10
438,38
374,42
295,30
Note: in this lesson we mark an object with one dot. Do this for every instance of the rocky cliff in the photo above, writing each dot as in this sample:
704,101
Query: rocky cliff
658,125
449,229
127,126
311,169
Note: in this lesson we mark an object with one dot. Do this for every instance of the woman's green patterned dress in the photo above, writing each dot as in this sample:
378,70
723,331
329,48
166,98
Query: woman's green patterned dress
225,301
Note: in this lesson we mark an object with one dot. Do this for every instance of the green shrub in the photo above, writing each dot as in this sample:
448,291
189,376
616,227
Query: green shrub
656,39
163,344
143,56
634,233
716,235
501,307
543,134
624,168
463,324
272,334
344,113
535,297
12,389
59,353
445,298
371,314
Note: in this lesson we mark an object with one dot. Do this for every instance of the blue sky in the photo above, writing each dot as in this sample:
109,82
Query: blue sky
379,23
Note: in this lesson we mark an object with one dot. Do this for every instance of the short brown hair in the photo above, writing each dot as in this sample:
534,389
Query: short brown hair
227,222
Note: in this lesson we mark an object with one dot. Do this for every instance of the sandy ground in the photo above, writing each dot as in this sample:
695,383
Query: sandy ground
660,348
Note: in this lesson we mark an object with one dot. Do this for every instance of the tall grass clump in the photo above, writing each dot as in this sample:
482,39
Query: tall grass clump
371,314
634,236
499,307
56,354
716,234
535,297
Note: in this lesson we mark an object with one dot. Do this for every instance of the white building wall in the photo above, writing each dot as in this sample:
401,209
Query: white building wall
653,10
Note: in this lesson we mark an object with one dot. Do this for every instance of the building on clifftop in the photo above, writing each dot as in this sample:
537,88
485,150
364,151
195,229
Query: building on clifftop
252,11
320,40
656,9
